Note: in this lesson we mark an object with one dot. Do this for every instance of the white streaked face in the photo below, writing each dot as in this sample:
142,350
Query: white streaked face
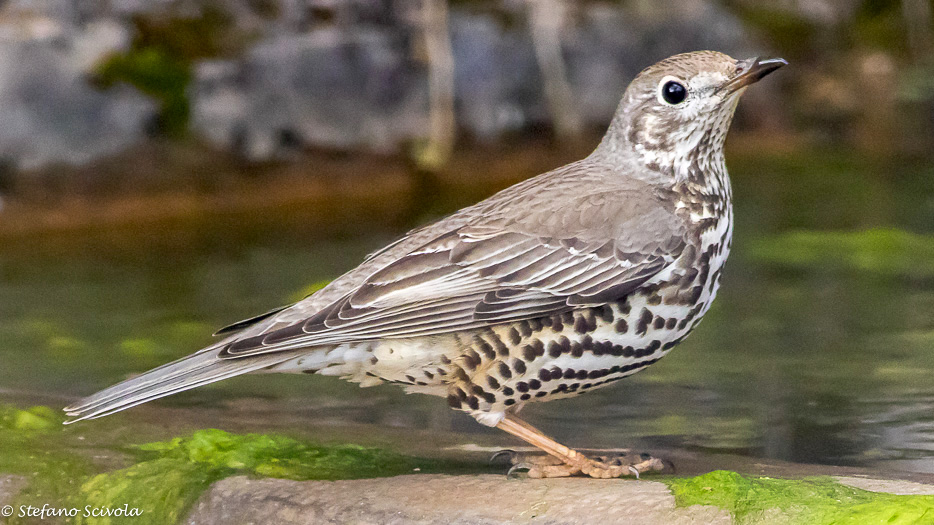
678,110
691,98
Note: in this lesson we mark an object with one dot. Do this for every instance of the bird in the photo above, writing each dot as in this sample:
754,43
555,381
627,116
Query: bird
556,286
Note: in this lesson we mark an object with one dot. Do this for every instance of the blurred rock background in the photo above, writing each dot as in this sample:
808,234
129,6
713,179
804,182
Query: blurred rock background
92,91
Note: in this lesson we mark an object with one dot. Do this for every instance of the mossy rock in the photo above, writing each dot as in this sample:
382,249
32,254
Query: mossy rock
812,501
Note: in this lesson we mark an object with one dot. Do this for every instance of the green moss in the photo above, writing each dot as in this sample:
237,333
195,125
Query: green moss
159,61
815,501
883,251
279,456
172,474
167,477
156,73
30,447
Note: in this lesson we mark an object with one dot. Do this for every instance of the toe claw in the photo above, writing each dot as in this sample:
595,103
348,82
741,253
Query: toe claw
634,470
511,454
517,469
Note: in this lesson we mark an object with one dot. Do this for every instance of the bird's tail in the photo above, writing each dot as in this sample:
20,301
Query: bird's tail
196,370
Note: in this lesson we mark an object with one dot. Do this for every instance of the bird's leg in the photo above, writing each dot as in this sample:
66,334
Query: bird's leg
571,462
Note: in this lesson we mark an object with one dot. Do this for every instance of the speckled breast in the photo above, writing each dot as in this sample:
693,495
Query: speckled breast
577,351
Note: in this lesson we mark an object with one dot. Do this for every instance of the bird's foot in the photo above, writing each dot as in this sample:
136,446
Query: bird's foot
603,466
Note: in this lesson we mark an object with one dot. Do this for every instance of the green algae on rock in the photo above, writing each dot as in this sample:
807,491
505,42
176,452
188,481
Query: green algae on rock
814,500
30,448
169,476
172,474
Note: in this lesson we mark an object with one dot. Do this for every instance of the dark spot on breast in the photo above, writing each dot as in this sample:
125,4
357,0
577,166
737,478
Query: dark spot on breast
671,344
598,348
582,374
489,398
504,371
606,313
587,342
556,324
695,294
622,326
576,349
473,402
484,347
671,323
539,347
501,349
518,365
525,397
471,360
569,373
509,402
494,384
659,323
453,401
644,319
513,335
524,328
554,349
535,324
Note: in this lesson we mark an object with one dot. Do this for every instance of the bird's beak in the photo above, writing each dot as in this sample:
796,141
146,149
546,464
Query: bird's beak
751,71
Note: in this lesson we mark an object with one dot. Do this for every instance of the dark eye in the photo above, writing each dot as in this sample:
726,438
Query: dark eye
674,92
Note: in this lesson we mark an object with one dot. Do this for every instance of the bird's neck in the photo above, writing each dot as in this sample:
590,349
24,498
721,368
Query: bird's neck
695,162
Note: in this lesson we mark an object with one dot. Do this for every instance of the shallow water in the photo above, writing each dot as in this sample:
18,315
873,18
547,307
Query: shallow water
825,359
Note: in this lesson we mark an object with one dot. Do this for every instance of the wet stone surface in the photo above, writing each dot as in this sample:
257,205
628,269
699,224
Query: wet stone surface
430,499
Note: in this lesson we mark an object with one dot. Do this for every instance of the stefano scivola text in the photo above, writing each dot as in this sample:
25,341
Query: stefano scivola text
88,511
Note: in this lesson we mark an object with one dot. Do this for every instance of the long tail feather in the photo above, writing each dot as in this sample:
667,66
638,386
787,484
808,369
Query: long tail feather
186,373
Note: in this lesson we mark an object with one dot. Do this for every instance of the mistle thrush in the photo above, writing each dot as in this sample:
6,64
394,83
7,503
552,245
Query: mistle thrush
556,286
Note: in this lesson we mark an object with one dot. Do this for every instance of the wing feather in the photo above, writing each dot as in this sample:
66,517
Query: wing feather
493,271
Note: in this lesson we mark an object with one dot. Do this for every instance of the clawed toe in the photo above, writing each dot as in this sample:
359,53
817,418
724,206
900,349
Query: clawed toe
517,469
600,467
510,455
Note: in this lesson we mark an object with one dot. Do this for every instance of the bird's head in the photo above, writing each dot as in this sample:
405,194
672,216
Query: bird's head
677,111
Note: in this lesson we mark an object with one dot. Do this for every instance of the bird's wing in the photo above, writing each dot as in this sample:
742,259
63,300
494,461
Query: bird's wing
544,260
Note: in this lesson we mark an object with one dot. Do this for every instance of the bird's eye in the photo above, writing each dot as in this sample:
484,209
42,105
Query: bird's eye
674,92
